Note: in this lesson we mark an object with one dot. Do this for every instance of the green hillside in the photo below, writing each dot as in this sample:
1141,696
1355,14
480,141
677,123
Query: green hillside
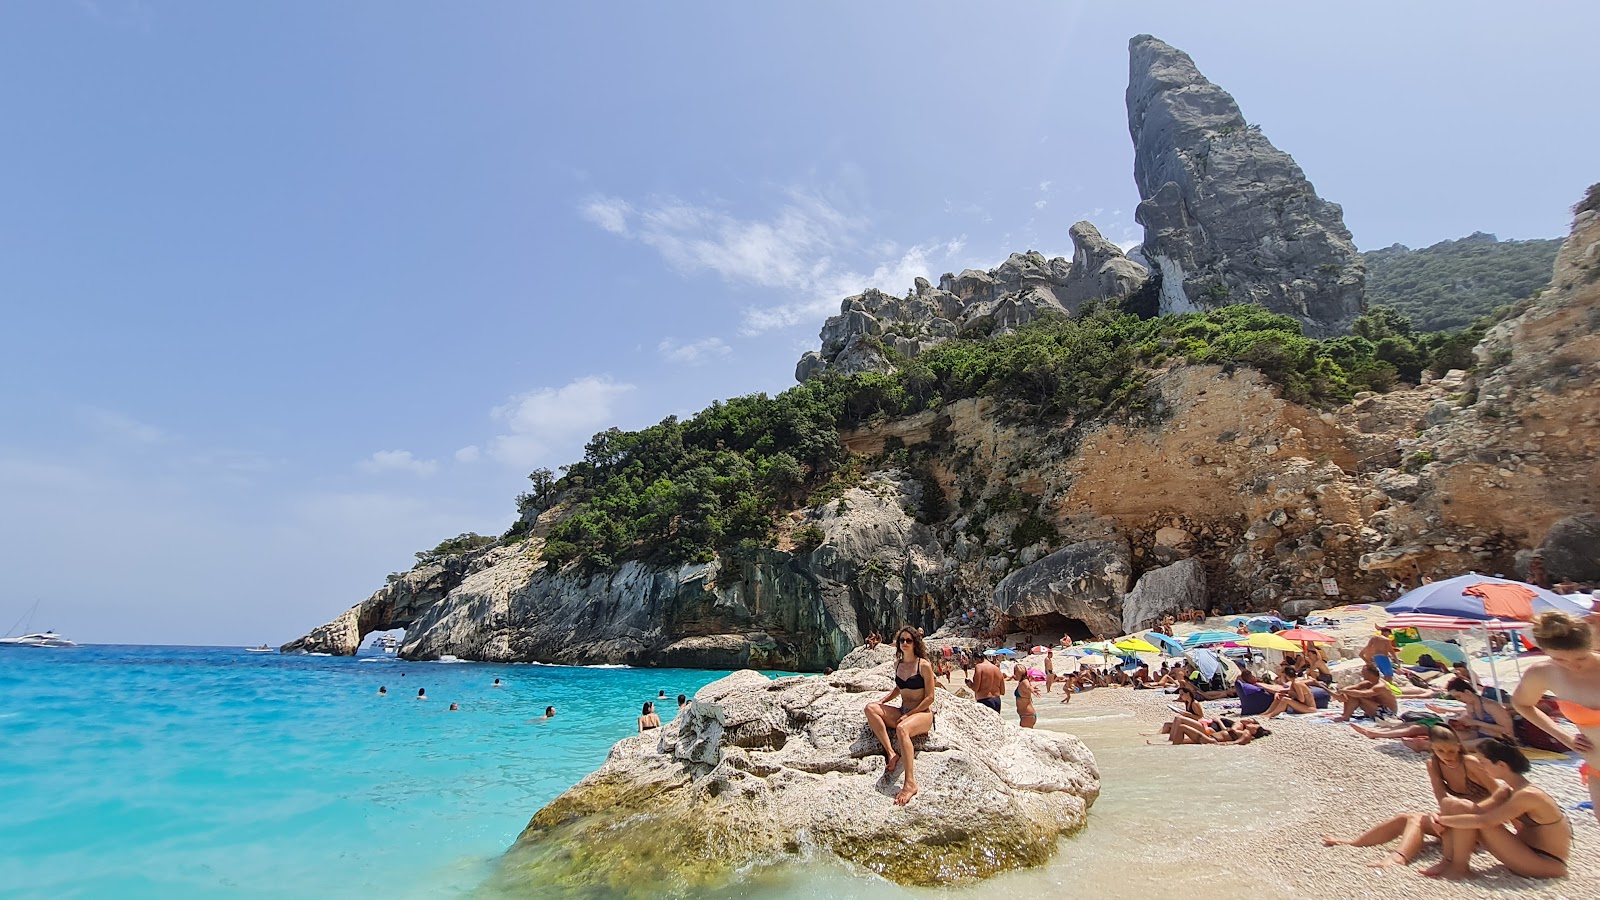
1451,283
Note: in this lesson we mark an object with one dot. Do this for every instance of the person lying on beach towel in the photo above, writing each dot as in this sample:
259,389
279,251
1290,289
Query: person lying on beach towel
1481,719
1186,731
1454,774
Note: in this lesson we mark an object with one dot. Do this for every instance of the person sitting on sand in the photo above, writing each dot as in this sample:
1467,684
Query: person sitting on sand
1027,716
913,684
648,719
1572,674
1370,696
1454,774
1538,840
1481,719
1294,696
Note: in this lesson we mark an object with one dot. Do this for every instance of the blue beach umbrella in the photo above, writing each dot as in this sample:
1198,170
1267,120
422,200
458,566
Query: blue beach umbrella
1202,638
1170,646
1447,598
1001,652
1263,623
1206,662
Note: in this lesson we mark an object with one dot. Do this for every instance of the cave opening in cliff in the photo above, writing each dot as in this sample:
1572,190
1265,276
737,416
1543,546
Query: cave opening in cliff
1052,628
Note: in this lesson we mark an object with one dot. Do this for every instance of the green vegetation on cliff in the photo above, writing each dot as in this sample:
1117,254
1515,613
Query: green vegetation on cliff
682,490
1453,283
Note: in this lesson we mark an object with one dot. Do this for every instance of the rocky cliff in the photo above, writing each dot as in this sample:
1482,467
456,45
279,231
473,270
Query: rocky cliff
873,329
1228,217
1215,491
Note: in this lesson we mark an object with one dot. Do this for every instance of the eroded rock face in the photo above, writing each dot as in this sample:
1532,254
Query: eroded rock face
1083,581
1019,290
1168,589
1228,217
756,770
767,609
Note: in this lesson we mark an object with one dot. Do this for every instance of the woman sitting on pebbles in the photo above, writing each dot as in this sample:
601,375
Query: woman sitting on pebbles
1572,674
913,684
1538,840
1455,775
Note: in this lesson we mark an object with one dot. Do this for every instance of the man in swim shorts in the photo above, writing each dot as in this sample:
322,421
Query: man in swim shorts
987,684
1380,652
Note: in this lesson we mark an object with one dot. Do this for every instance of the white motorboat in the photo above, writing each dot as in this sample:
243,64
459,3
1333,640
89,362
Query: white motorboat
37,639
385,642
261,649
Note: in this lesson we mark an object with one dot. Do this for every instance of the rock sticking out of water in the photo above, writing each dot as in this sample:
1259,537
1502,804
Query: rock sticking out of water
759,769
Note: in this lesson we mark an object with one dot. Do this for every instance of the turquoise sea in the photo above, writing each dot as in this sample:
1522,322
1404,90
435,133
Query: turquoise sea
168,772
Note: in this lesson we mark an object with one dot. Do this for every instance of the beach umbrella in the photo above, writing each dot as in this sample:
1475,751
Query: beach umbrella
1263,623
1169,645
1202,638
1135,645
1443,651
1035,674
1206,661
1306,636
1040,650
1004,651
1091,660
1075,651
1474,596
1262,640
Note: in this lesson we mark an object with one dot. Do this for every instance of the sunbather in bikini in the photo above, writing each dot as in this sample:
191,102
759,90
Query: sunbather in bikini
1454,774
1538,840
1481,719
1572,674
1293,697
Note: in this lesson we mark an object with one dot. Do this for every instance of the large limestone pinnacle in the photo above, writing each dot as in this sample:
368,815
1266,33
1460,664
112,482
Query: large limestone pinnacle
1228,217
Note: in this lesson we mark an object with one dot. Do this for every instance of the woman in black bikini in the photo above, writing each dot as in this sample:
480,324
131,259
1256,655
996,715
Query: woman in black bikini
1454,774
1540,837
648,719
913,684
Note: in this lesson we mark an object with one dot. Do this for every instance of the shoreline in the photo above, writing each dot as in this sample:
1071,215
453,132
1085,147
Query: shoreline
1340,783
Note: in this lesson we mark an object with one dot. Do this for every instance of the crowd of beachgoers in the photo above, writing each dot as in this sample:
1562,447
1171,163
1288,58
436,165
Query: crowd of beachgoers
1474,736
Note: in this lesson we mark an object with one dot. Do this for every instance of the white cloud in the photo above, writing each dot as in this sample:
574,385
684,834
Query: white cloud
1040,204
693,353
541,419
397,461
1044,187
469,454
123,428
609,213
803,249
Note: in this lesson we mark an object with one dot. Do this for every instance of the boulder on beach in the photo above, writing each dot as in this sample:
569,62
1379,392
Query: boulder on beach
758,770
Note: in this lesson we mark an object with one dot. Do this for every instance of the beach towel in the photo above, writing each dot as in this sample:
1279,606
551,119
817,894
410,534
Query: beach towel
1504,601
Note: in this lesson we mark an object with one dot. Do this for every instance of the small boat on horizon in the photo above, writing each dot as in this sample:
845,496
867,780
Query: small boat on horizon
261,649
37,639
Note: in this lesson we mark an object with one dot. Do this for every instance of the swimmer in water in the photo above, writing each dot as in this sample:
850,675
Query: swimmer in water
497,683
422,693
382,691
549,712
454,707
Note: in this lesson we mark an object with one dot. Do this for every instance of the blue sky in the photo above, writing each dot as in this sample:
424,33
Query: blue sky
293,290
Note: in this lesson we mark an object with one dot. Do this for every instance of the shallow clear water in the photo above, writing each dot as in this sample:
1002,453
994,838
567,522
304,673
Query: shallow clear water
198,771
